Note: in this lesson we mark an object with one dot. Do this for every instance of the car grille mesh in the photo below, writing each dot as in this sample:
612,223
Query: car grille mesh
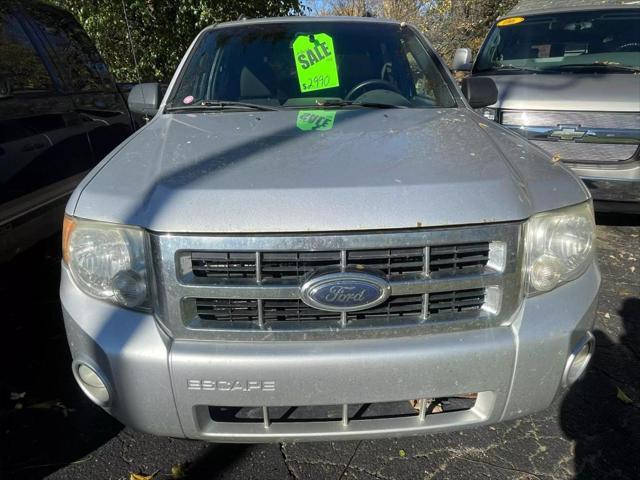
591,152
456,301
296,266
457,258
587,149
413,307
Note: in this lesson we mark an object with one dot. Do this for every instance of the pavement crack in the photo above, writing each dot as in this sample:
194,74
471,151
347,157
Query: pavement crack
500,467
344,470
292,474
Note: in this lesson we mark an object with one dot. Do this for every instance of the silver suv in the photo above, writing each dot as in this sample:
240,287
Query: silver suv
569,80
316,237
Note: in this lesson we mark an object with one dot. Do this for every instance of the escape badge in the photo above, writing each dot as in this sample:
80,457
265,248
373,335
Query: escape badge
315,62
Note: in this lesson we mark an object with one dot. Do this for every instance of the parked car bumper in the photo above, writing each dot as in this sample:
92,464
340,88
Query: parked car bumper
615,188
165,387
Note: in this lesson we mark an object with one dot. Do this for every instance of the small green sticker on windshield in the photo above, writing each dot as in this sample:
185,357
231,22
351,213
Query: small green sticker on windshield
315,62
315,120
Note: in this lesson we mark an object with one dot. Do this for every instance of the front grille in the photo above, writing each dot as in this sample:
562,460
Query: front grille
409,307
590,152
541,118
599,136
296,266
250,287
294,310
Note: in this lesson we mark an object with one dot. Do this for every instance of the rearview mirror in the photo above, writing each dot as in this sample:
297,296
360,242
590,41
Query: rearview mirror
480,91
462,60
144,99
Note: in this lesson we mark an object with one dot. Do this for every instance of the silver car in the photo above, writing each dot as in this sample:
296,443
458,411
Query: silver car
316,237
569,80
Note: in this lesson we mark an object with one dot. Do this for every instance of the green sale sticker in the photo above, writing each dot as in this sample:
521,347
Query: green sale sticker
315,62
315,119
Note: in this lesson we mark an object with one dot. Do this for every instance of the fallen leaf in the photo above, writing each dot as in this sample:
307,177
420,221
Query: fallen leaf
402,453
17,396
623,397
140,476
633,269
177,471
606,315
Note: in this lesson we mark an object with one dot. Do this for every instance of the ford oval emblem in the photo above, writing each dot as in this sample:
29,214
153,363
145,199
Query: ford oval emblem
345,292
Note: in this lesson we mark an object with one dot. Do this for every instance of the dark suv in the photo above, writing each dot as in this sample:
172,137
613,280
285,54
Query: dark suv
60,113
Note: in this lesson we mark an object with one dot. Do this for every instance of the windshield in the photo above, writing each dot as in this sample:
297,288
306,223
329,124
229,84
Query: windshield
312,64
576,41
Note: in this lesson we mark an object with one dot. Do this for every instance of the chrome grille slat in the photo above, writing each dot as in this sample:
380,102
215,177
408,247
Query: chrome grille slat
605,137
588,151
540,118
275,290
225,302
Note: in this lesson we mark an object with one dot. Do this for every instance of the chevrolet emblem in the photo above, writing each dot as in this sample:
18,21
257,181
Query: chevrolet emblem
568,133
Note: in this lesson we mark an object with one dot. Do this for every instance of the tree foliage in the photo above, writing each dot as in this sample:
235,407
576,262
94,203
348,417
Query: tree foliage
161,30
449,24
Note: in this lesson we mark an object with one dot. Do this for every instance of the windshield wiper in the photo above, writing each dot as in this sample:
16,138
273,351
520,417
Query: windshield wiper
220,105
613,67
513,68
349,103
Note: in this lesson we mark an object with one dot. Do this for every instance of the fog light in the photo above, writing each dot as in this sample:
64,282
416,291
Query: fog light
92,384
578,360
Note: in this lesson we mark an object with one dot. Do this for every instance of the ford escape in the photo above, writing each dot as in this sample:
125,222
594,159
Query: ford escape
316,237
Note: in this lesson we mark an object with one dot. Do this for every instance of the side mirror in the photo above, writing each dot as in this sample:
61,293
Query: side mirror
462,60
144,99
480,91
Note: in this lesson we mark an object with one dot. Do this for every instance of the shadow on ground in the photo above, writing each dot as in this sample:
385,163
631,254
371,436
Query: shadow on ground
606,431
46,422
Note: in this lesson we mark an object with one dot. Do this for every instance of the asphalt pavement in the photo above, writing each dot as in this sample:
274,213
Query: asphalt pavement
48,429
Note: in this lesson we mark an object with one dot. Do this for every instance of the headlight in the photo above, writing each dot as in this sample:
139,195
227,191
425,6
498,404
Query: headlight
559,246
107,261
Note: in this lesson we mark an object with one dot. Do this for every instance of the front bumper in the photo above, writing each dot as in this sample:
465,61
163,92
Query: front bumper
156,383
612,184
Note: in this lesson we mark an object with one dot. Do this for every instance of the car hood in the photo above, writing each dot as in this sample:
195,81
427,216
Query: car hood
569,91
364,169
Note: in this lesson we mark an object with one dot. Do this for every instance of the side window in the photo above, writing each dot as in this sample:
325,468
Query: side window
77,57
21,68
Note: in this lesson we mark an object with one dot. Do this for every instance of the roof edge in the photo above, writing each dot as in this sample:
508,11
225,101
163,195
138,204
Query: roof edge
565,9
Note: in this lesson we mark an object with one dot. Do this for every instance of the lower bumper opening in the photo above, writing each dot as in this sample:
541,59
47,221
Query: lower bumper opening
341,413
237,423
